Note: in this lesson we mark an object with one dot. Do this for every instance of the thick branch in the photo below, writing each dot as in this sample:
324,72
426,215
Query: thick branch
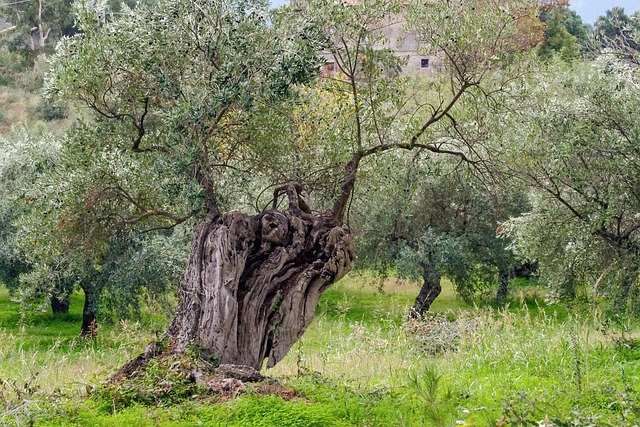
209,192
297,204
140,127
351,171
146,212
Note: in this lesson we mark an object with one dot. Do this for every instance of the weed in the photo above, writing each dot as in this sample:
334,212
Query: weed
166,380
435,403
433,333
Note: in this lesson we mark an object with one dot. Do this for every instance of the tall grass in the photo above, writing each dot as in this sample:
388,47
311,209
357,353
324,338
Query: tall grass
361,363
481,366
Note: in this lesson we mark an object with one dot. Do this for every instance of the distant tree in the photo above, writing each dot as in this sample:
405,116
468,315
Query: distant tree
579,152
558,39
121,263
441,225
577,28
35,267
25,156
35,26
619,31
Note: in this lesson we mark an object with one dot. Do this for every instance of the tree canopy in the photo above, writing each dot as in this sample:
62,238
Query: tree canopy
578,152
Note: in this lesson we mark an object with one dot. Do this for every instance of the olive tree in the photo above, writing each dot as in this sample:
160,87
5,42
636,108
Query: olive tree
444,223
61,254
25,157
578,152
218,98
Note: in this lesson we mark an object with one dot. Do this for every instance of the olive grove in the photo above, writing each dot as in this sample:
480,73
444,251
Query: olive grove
437,220
196,110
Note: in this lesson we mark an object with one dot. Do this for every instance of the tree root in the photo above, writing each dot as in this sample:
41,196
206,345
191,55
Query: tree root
159,375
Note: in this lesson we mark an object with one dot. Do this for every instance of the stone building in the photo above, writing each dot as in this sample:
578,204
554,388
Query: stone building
403,43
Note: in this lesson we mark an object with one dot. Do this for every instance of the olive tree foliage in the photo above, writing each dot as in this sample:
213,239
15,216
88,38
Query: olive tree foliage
480,47
218,100
444,222
25,156
59,259
577,149
620,32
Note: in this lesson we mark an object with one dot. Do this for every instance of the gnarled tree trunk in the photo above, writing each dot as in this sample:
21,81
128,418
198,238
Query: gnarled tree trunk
428,293
253,283
505,274
89,311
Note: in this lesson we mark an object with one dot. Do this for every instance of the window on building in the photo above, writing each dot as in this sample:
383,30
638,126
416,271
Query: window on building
424,62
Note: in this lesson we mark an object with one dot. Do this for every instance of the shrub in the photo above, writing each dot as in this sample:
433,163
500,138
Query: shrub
49,111
11,65
437,333
165,380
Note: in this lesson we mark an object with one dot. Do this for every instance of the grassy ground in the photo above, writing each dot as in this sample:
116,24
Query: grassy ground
20,107
359,364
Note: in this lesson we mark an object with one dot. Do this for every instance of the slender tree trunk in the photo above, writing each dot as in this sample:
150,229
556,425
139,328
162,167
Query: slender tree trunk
60,304
252,283
428,293
503,284
91,300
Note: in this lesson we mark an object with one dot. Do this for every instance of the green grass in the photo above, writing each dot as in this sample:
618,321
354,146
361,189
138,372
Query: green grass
43,330
359,364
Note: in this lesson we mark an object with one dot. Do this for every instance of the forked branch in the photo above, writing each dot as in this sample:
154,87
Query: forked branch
297,203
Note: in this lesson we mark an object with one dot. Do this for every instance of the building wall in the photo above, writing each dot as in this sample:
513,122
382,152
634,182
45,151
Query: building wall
403,44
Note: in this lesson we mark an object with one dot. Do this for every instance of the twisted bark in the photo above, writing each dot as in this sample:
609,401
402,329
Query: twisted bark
253,283
429,291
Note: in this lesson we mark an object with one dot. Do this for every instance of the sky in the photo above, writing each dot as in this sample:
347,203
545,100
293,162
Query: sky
589,10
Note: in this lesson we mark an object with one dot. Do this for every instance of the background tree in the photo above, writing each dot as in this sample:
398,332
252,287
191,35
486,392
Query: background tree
577,28
617,30
560,26
442,224
25,157
201,92
579,154
63,255
37,25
